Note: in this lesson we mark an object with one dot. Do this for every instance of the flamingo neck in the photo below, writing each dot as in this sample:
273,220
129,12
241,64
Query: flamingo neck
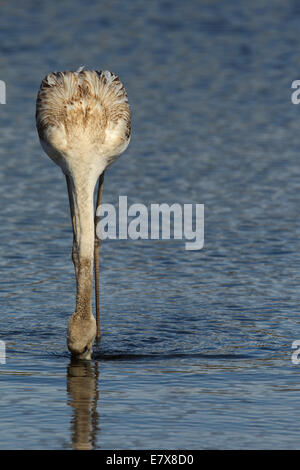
83,191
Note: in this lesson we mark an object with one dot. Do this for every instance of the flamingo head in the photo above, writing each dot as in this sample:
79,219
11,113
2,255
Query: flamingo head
81,335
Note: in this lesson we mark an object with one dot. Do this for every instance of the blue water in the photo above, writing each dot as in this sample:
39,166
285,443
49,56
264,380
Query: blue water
196,346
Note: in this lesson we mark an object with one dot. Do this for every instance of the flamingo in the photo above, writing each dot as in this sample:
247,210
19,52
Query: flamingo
83,123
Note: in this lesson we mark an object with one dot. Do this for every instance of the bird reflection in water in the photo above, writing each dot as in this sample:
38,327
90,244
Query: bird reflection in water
82,388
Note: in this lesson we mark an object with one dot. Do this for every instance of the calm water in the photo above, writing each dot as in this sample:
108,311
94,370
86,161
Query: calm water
196,346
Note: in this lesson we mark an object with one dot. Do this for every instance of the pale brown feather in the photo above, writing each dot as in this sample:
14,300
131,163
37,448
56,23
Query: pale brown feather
85,104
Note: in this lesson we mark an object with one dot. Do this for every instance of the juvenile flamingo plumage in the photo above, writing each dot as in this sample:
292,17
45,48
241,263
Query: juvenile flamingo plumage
83,122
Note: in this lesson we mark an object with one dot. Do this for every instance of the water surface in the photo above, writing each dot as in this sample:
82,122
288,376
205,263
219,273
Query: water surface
196,345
